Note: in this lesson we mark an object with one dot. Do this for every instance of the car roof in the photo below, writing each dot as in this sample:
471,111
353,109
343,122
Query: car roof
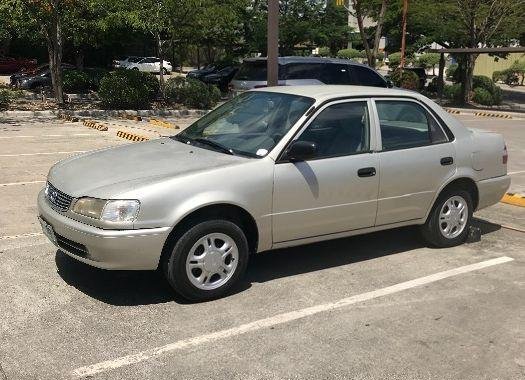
295,59
327,92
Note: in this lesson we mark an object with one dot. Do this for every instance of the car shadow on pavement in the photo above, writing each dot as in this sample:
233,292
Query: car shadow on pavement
130,288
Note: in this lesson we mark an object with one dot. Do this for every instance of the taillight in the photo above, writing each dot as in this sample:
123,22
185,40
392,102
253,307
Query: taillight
505,155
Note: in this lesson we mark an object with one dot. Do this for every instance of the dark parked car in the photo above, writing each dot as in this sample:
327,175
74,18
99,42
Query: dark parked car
41,79
199,74
221,78
12,65
301,71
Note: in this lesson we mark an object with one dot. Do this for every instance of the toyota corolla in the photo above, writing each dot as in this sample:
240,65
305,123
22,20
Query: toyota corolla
273,168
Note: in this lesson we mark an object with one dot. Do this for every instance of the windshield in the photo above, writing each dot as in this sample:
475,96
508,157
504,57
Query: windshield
250,124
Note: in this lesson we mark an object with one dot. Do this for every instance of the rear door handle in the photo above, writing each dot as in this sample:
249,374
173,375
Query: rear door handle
366,172
446,161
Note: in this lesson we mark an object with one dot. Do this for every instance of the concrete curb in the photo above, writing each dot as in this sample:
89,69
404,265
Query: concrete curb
474,112
106,113
514,199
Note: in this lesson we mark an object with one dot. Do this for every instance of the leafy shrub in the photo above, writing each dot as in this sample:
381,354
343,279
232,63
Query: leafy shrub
128,89
324,51
394,59
486,84
192,93
452,92
95,76
350,54
76,82
5,99
429,60
482,96
453,72
405,79
432,87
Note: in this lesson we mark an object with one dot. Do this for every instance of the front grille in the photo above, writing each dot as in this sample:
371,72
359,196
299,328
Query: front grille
71,246
59,200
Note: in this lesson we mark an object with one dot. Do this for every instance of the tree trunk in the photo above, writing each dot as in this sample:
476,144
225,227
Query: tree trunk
79,59
54,48
379,28
470,61
359,17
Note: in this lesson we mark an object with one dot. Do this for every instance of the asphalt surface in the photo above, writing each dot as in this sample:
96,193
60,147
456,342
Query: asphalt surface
378,306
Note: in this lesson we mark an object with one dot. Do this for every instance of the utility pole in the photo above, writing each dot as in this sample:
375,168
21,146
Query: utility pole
273,43
403,34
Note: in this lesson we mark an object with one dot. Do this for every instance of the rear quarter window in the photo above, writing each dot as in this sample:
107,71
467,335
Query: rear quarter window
363,76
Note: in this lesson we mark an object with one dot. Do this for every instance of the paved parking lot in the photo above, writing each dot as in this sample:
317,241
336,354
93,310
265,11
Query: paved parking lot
379,306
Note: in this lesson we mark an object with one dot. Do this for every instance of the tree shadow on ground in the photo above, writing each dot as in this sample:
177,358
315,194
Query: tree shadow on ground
128,288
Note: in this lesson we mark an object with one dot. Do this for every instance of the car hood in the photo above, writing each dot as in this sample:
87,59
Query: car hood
112,171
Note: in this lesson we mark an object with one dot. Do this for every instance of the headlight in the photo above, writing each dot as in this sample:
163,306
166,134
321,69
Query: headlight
111,211
121,211
90,207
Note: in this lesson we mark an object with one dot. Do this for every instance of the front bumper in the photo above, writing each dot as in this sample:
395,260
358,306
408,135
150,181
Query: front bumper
491,190
106,249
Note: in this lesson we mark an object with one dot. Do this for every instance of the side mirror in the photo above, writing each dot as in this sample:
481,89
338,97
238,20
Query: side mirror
389,83
301,151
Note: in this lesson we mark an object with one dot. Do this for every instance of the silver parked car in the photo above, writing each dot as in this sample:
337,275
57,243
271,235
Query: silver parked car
269,169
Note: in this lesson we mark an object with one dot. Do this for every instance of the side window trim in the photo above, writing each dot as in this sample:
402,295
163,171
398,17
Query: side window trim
373,126
419,103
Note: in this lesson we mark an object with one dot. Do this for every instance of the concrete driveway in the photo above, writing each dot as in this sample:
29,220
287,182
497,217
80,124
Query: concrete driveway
378,306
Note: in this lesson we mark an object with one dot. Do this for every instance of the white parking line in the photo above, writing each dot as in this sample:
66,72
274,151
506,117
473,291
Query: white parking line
44,136
11,237
20,183
41,154
123,361
517,172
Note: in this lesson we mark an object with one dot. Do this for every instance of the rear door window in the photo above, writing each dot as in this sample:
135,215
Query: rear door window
406,124
363,76
255,71
303,70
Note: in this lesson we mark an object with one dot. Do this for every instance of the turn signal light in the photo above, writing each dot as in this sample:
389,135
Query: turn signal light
505,155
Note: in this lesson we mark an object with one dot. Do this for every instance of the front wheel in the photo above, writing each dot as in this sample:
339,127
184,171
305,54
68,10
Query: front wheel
450,218
207,260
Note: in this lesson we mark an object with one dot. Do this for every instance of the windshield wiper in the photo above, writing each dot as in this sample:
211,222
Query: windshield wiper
214,144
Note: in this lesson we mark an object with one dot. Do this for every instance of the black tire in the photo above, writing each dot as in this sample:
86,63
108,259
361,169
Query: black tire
430,231
174,266
165,71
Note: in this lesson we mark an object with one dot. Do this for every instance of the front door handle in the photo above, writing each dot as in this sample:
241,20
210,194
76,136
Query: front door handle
446,161
366,172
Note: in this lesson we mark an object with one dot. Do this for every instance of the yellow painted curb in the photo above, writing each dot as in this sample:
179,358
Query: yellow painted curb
95,125
492,114
514,199
456,112
163,124
131,136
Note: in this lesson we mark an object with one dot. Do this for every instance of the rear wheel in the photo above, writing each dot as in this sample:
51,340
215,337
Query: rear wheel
207,260
450,218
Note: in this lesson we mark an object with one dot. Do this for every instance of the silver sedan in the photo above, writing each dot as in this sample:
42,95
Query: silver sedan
273,168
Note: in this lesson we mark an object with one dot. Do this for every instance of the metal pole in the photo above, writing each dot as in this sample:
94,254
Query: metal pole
273,42
441,77
403,33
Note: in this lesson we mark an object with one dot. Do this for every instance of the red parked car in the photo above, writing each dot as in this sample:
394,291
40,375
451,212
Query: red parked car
12,65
